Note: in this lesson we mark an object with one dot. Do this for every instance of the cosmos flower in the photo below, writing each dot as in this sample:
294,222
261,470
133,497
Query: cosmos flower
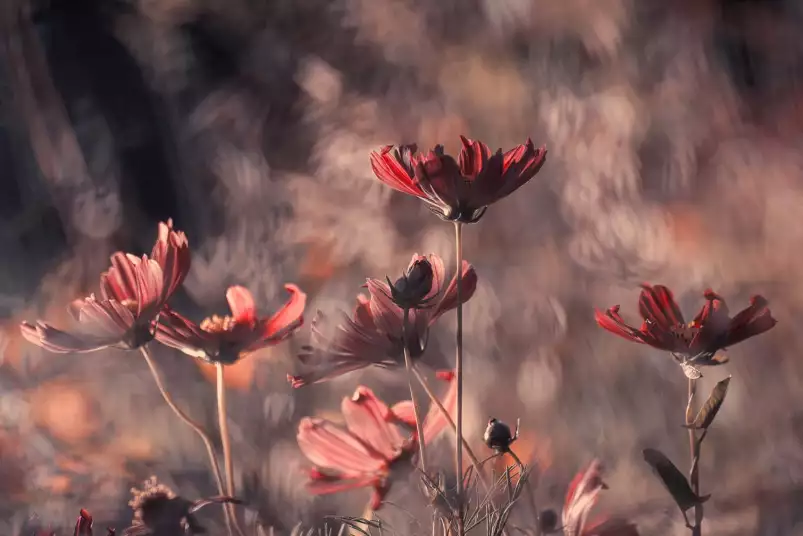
581,497
368,452
697,342
459,190
171,252
228,339
373,334
158,511
103,323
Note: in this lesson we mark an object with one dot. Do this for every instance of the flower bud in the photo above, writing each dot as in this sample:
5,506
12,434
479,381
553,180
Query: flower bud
498,436
410,290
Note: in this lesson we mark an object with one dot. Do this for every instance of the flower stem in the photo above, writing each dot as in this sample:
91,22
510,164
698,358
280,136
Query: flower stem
694,453
419,426
458,452
210,449
223,423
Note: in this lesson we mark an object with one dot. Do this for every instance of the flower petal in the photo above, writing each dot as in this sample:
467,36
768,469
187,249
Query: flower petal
611,321
330,447
336,484
449,299
241,303
752,321
61,342
287,319
172,252
393,166
370,419
387,316
657,304
473,157
435,422
183,334
581,497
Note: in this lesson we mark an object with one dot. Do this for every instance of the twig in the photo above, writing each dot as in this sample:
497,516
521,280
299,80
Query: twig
694,453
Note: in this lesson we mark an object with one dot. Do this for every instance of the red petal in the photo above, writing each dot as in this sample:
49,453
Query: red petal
435,422
241,303
473,157
581,497
330,447
368,418
658,305
390,171
752,321
449,299
404,412
611,321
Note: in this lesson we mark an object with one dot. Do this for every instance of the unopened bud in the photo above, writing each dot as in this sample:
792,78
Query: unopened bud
498,436
410,290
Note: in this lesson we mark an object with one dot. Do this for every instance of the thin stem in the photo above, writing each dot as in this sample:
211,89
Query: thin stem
419,426
458,450
223,424
694,452
434,399
210,449
530,494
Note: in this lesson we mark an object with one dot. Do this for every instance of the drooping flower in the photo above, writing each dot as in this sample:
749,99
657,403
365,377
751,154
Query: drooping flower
372,447
104,323
228,339
459,190
373,334
581,497
171,252
697,342
158,511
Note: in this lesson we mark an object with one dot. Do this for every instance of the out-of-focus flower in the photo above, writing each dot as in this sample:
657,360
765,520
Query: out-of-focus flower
459,190
697,342
228,339
158,511
498,436
365,454
373,335
83,526
133,292
580,499
418,286
102,323
171,252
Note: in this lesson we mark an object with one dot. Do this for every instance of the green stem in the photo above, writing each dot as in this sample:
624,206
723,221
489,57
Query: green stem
210,449
419,426
458,449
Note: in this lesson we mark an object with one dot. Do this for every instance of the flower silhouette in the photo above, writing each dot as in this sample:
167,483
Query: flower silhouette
371,448
227,339
373,334
420,284
459,190
697,342
581,497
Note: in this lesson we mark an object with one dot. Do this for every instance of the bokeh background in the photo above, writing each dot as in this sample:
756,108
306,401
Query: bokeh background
674,136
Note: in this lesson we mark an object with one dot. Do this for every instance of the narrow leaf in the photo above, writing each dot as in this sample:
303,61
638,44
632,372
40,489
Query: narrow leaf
711,407
673,479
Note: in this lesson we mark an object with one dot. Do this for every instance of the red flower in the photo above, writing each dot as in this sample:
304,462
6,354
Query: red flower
698,341
365,454
171,252
227,339
373,335
581,498
107,322
458,190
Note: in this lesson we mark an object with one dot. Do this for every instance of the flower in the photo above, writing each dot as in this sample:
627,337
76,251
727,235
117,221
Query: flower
415,288
458,191
367,452
373,335
698,341
498,436
83,526
171,252
158,511
104,323
580,499
228,339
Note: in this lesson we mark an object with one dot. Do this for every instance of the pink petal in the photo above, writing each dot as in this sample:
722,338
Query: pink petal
404,412
386,315
287,319
582,495
182,334
435,422
369,419
330,447
242,306
60,342
336,485
449,299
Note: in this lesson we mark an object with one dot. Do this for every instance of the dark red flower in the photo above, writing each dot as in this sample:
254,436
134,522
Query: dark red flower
581,497
373,335
371,448
171,252
103,323
458,190
418,287
698,341
227,339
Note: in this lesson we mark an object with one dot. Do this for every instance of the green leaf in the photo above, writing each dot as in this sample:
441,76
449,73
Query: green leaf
673,479
711,407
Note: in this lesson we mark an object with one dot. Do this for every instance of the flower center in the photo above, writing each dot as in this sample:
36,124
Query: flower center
218,324
686,332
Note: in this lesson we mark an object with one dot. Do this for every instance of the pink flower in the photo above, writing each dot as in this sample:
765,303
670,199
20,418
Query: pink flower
371,447
580,499
228,339
373,335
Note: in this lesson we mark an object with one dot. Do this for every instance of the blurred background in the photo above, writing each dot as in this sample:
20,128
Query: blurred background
674,135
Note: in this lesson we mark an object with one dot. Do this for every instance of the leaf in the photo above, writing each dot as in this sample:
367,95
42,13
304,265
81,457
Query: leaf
673,479
711,407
